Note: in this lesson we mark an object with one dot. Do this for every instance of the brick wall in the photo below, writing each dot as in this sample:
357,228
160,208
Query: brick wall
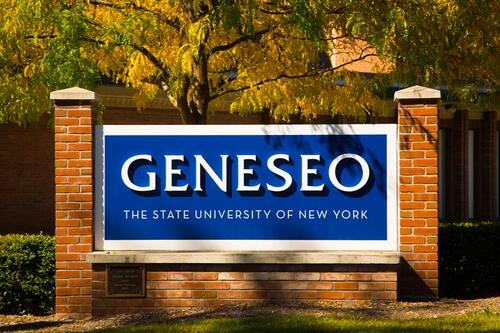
74,207
27,178
418,196
216,285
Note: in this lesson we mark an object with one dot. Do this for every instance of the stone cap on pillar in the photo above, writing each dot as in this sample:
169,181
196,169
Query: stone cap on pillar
72,94
417,92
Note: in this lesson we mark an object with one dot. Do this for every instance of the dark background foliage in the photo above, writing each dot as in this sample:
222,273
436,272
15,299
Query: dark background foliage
469,259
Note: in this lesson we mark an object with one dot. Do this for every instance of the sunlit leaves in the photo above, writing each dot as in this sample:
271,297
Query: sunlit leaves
41,50
246,55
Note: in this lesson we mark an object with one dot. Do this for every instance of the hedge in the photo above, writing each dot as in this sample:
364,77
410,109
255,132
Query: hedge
27,274
469,259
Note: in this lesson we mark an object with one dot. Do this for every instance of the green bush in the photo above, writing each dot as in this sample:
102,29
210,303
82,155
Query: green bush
469,259
27,274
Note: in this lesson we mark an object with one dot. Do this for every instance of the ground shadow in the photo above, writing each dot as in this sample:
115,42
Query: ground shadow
31,326
411,287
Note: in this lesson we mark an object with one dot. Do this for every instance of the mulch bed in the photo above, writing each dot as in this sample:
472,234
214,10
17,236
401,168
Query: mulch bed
400,310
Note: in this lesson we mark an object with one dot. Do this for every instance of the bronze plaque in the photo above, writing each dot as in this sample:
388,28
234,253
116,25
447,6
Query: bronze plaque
125,281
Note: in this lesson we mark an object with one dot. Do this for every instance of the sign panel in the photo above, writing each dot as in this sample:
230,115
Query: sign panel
250,188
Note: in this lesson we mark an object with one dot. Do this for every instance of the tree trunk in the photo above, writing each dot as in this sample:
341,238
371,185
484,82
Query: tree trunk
193,104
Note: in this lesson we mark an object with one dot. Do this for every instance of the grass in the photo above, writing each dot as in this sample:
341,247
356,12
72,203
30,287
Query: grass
478,322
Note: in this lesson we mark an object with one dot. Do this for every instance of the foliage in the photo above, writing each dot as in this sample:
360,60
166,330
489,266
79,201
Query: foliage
27,274
253,54
469,259
478,322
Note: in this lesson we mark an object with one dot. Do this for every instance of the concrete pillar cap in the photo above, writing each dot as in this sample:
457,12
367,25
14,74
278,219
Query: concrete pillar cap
74,93
417,92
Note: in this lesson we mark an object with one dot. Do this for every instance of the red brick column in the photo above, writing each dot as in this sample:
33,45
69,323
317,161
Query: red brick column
418,191
73,121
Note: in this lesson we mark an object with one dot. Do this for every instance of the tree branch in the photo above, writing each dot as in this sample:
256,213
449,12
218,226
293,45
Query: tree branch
148,54
151,57
337,10
331,39
286,11
291,77
175,24
250,37
41,36
273,12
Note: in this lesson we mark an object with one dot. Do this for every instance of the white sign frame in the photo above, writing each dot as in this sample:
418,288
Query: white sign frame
389,245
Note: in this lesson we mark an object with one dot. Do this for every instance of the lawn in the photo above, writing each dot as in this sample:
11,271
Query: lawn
484,321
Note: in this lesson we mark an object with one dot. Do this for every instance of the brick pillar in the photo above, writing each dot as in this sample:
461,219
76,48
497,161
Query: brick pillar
418,195
74,122
486,195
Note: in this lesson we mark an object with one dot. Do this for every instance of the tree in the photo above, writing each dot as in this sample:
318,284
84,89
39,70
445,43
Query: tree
253,54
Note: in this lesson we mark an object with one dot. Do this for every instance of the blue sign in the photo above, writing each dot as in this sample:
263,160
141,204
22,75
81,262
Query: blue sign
296,187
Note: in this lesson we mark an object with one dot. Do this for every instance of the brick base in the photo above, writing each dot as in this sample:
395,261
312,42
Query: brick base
210,286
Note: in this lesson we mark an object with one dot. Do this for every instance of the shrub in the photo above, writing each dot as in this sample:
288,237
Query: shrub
469,259
27,269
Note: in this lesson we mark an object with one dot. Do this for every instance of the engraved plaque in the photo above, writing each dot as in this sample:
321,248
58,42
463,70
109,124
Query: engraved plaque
125,281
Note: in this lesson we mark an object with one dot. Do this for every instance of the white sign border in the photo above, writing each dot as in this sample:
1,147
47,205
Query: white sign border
389,245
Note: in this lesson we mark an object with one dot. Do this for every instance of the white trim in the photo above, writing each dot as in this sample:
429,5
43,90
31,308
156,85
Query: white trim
245,129
391,244
247,245
392,164
98,187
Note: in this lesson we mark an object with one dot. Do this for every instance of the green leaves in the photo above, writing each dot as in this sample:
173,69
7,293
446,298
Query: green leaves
230,15
308,16
41,51
64,64
27,274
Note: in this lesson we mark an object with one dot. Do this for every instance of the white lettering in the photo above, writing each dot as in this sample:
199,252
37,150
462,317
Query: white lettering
126,179
306,172
279,172
220,182
242,172
170,171
365,173
246,173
